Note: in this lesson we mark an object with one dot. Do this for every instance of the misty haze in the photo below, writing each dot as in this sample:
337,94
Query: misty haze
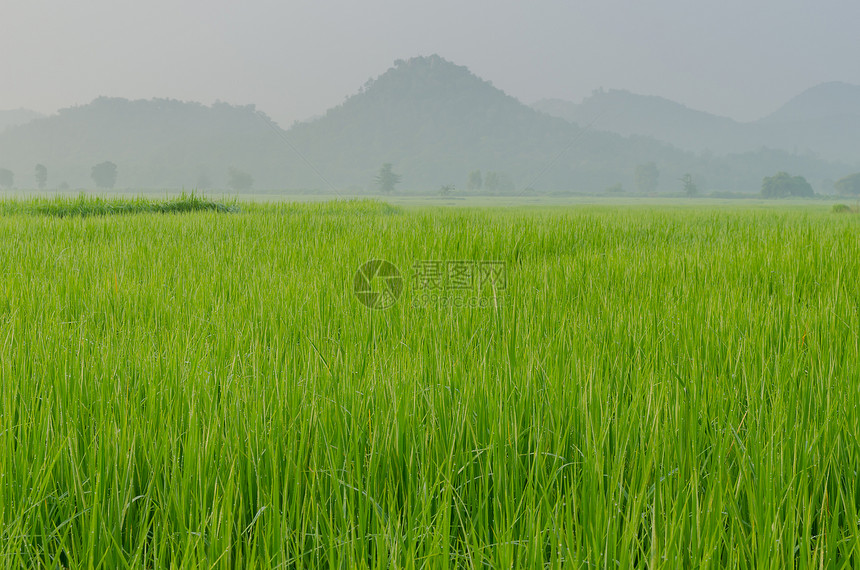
439,123
448,285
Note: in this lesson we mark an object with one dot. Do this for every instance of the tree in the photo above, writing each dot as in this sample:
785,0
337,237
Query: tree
239,180
7,178
386,180
41,176
690,188
783,184
474,181
647,177
446,190
498,182
104,174
491,181
849,184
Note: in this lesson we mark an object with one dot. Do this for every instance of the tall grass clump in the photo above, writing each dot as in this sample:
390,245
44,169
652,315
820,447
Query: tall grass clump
90,205
653,388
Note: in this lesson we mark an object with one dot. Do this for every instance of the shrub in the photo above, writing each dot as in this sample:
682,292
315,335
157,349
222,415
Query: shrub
782,185
849,184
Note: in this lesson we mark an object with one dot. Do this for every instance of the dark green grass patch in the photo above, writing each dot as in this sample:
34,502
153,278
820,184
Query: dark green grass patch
86,205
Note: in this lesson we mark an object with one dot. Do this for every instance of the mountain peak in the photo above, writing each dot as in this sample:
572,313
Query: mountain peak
425,78
823,101
432,60
435,121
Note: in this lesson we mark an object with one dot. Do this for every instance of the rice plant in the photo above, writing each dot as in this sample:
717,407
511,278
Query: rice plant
653,388
88,205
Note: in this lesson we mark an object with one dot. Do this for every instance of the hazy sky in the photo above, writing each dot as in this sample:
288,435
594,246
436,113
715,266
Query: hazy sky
294,59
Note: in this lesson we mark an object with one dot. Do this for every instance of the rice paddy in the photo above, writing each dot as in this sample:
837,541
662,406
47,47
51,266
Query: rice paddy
650,387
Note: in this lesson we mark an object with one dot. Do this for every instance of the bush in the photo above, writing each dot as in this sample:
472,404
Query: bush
782,185
849,184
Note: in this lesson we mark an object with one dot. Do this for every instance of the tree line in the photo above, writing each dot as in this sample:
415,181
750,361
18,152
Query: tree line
646,177
105,175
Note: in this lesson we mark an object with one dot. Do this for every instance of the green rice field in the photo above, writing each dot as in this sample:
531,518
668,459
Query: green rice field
198,385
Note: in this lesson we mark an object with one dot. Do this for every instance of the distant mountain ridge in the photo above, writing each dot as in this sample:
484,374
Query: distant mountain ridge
435,121
627,113
155,143
821,102
11,117
823,120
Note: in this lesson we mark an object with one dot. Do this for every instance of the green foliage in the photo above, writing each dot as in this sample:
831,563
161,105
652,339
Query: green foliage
41,172
357,208
104,174
239,180
7,178
647,177
386,179
85,205
690,188
201,391
782,185
849,184
841,209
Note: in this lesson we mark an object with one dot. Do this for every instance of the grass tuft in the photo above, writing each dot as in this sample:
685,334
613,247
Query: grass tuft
85,205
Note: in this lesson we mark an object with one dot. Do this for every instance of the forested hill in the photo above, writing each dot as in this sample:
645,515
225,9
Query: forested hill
435,121
13,117
154,143
823,120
